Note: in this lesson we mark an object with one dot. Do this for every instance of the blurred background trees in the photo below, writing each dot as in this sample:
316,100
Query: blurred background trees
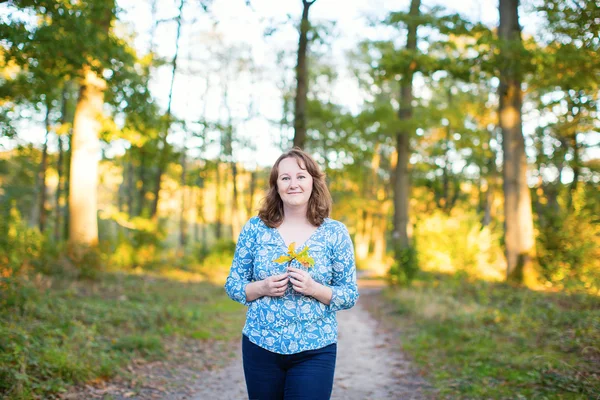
466,146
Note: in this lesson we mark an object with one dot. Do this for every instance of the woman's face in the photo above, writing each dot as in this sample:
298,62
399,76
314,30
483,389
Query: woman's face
294,183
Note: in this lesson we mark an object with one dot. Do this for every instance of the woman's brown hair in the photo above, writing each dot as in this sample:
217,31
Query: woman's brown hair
319,204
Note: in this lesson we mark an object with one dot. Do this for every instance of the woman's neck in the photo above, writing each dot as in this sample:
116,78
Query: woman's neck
295,214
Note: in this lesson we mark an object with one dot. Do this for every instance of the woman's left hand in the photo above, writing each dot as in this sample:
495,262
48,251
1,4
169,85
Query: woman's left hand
302,282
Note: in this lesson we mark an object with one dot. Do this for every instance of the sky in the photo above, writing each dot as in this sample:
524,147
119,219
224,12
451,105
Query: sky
232,28
242,27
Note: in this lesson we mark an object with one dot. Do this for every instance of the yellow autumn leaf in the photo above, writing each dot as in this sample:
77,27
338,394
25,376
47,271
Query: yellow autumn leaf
303,252
292,249
282,259
306,260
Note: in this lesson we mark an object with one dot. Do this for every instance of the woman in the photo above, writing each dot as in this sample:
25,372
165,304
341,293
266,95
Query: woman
294,268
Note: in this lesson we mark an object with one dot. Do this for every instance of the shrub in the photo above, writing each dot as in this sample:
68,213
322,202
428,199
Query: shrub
405,267
459,243
569,248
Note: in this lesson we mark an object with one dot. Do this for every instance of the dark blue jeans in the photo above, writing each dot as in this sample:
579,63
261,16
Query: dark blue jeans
302,376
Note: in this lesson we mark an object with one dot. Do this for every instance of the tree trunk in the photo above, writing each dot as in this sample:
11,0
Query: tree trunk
576,170
59,185
62,172
401,234
166,148
142,182
130,183
83,207
251,189
302,79
43,169
235,213
518,234
182,214
446,173
200,219
219,204
67,187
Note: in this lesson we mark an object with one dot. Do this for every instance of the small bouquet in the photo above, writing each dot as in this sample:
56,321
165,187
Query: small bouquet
302,257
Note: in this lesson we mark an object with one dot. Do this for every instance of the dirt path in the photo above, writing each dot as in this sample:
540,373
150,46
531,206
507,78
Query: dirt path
369,365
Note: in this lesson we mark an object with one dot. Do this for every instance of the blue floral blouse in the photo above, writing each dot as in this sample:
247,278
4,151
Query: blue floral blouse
294,322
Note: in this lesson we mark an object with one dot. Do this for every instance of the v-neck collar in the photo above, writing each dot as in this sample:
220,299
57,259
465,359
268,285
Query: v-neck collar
282,240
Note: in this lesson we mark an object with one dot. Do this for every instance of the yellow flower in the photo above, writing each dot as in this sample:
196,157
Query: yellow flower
302,257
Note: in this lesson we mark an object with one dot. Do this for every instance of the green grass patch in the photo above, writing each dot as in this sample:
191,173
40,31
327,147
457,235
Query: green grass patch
477,339
60,331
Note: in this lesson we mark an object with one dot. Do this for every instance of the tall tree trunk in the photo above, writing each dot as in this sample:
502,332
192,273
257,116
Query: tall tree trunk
143,149
251,189
518,234
83,207
42,172
302,79
218,203
201,220
236,225
67,187
576,170
401,234
166,148
142,182
130,183
183,207
445,173
59,185
492,181
63,174
487,204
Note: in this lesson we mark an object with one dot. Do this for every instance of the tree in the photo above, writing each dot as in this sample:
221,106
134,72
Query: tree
518,220
302,78
165,149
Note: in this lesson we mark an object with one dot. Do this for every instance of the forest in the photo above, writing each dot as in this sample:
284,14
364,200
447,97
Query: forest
461,147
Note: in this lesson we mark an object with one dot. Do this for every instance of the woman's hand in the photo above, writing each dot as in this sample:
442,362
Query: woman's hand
302,282
275,286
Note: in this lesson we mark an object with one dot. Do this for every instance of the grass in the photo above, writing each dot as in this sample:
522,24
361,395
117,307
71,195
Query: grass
59,332
482,340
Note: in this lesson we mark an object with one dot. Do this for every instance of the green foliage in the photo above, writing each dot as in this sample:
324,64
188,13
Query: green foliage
73,331
18,169
458,242
476,339
19,245
89,261
405,267
148,345
569,247
218,261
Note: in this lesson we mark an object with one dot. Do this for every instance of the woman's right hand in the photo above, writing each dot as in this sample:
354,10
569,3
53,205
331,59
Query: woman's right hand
276,285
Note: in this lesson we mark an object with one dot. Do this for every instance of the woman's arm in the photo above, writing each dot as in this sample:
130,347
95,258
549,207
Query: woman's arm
343,284
273,286
240,285
323,294
242,266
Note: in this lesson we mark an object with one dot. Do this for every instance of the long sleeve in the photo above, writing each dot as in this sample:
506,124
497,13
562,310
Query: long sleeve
240,274
343,284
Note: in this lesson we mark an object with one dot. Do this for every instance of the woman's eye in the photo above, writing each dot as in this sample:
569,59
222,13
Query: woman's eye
285,178
301,177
